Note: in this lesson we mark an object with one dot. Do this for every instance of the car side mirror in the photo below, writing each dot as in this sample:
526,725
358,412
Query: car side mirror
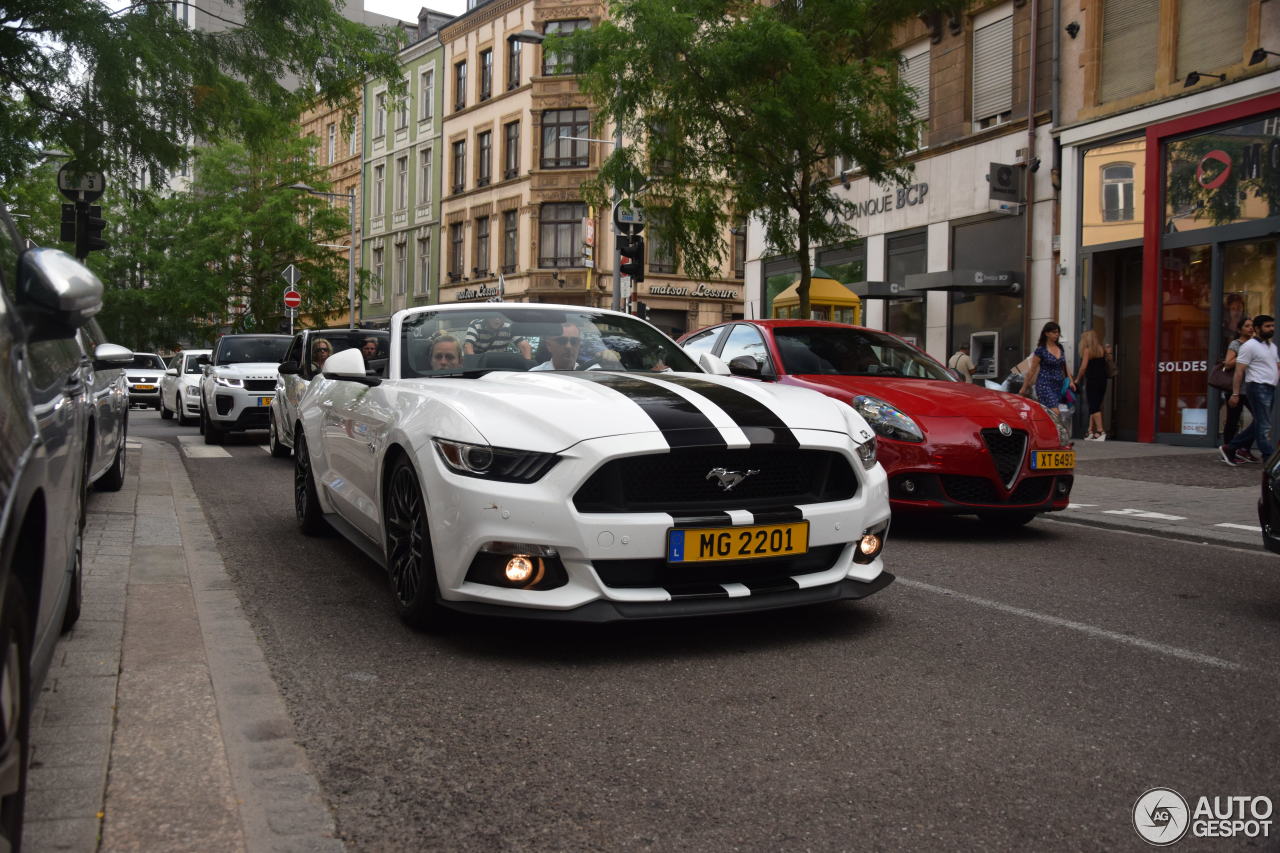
56,294
745,365
712,364
172,371
111,357
348,365
290,368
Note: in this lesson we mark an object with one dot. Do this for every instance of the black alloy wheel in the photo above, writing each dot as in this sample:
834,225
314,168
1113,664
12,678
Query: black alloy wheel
306,503
15,709
410,562
278,450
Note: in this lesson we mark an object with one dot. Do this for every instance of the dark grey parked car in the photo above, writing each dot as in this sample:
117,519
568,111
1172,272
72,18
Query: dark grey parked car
46,297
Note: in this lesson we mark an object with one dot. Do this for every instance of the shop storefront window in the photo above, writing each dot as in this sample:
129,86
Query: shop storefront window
1183,357
1113,182
1224,176
906,256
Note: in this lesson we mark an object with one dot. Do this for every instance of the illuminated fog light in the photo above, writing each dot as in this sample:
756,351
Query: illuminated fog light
909,486
869,545
519,569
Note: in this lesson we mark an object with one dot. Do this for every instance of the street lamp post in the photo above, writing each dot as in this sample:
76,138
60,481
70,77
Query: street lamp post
351,250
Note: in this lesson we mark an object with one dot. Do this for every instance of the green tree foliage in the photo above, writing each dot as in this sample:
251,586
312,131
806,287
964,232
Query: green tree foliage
187,267
125,90
739,107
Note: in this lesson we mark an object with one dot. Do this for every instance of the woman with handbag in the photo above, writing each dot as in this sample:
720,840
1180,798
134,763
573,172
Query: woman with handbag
1244,331
1048,369
1094,373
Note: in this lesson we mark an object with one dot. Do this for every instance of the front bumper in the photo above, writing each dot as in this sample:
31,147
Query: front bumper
233,410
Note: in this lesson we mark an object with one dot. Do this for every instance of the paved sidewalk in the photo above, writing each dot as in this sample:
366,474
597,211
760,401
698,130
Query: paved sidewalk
159,726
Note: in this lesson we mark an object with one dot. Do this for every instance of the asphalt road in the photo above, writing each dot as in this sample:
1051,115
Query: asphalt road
1008,692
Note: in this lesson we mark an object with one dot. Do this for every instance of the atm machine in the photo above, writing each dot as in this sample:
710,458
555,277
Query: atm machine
984,350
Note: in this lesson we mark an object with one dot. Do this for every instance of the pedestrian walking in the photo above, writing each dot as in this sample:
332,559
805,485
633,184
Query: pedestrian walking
1256,374
1048,372
1243,332
961,363
1093,373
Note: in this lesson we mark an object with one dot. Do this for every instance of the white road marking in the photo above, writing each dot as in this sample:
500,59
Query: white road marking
1084,628
1079,506
201,451
1250,527
133,445
1142,513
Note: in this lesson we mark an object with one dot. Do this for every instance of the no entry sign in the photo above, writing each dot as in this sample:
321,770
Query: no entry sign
292,298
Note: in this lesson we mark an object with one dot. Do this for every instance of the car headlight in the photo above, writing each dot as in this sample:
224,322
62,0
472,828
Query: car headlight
867,453
494,463
229,381
192,391
887,421
1064,434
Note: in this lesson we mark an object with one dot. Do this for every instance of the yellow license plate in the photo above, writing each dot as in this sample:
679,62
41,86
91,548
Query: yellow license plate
265,401
709,544
1044,460
144,387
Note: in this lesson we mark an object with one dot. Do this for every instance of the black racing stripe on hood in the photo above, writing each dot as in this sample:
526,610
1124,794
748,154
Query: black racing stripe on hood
760,423
680,422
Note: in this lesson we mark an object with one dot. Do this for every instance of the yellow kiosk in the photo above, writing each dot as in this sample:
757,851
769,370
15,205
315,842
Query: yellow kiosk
828,300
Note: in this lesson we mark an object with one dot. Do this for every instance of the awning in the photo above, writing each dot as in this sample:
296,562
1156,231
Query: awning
824,291
883,290
967,281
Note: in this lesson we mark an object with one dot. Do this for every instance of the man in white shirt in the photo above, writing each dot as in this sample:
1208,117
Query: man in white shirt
563,349
1257,372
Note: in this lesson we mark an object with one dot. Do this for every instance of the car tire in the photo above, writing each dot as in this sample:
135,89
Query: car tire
75,598
165,414
278,450
180,412
15,711
306,502
1006,520
411,566
212,434
114,478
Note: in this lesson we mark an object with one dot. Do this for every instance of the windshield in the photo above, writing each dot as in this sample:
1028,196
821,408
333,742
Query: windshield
508,337
238,349
146,361
829,350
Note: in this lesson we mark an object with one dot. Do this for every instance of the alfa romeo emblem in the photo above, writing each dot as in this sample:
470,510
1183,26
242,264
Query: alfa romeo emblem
727,479
1005,429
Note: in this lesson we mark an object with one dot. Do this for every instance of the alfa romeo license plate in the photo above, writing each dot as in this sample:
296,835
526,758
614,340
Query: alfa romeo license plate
1045,460
709,544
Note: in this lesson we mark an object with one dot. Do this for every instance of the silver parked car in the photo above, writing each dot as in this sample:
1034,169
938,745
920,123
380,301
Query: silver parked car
108,426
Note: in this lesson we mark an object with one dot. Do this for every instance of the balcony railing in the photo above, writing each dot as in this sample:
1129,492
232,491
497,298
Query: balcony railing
560,262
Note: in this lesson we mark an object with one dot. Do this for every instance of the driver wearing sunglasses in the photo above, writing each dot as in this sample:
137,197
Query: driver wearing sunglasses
564,349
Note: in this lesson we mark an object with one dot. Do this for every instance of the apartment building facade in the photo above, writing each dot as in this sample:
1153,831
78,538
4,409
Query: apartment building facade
1169,136
400,248
515,134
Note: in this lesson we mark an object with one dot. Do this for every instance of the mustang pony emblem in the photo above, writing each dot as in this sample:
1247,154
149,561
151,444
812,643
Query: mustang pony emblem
728,479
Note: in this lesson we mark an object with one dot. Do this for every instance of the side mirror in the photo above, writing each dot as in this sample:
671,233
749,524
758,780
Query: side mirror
348,365
745,365
172,371
712,364
111,357
56,294
290,368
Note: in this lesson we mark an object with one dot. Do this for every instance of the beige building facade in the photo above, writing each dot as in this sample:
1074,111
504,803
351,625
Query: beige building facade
336,134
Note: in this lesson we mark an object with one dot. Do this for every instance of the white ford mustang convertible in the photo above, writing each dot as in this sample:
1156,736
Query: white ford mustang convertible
552,461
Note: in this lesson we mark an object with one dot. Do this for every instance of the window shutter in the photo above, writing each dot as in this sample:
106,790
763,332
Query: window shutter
993,68
1130,30
916,76
1210,35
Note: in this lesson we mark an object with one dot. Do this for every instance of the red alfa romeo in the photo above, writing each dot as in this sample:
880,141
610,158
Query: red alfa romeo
946,445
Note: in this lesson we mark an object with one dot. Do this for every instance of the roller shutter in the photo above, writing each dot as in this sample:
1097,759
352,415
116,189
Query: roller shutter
1130,30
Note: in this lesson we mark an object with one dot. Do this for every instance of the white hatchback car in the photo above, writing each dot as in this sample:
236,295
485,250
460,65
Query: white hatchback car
180,386
608,478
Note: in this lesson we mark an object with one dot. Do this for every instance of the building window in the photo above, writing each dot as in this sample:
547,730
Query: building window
353,144
455,251
459,165
1210,34
482,246
484,158
402,266
662,255
509,236
1117,192
380,115
515,50
659,150
1130,33
402,182
551,63
740,249
511,154
402,113
332,144
375,292
424,266
486,75
428,95
378,184
460,85
560,237
993,67
915,74
425,177
558,151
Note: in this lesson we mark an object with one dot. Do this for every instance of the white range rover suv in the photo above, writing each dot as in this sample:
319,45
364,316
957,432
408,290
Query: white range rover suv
239,384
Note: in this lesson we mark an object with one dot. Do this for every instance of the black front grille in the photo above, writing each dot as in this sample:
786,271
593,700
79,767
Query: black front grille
632,574
146,380
1033,490
680,481
1006,451
970,490
224,402
260,385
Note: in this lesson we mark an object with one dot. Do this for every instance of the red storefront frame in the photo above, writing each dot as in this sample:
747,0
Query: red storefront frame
1153,231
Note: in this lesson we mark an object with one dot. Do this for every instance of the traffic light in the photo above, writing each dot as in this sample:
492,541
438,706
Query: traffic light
642,311
631,262
68,234
89,224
